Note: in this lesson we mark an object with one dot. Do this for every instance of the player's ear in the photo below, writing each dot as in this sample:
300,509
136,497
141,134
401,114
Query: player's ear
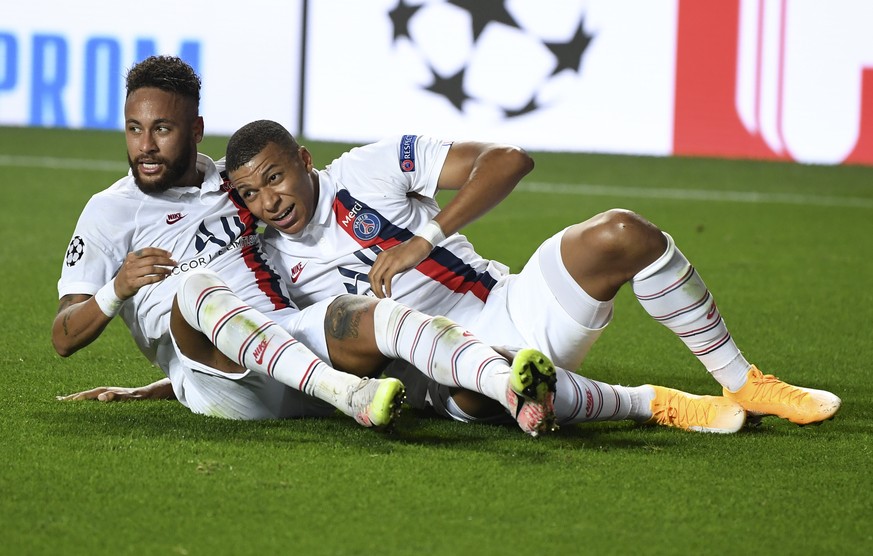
198,129
306,157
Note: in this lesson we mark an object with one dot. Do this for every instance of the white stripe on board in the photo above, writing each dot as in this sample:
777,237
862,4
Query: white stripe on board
63,163
696,194
535,187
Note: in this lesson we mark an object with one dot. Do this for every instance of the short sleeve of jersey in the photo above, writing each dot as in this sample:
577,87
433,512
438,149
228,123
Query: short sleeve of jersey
94,253
398,165
428,156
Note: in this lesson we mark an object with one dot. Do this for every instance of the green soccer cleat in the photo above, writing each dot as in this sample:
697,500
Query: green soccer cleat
531,392
376,402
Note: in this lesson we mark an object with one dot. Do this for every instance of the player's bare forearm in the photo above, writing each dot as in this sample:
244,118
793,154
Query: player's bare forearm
158,390
80,320
484,174
78,323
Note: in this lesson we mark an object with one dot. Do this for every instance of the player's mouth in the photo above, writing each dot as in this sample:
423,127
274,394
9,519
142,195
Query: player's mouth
286,218
149,167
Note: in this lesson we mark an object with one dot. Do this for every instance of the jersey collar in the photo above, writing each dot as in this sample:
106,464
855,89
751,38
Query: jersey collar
211,181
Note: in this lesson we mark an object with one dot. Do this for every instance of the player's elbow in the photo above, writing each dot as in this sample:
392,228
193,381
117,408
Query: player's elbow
63,351
62,348
64,344
519,160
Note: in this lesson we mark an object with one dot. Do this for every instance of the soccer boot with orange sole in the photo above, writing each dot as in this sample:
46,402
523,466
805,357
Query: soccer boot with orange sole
674,408
767,395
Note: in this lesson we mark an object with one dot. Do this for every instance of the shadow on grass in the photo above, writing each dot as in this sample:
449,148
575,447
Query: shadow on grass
161,421
94,423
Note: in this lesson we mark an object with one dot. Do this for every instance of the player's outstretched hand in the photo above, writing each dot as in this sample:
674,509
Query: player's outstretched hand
142,267
104,394
160,390
396,260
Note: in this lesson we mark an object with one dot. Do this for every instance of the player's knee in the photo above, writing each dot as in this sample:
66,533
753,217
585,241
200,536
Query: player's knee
351,337
348,316
624,238
190,289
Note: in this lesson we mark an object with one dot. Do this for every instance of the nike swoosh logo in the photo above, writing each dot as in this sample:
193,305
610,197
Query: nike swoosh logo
296,272
711,312
173,218
261,349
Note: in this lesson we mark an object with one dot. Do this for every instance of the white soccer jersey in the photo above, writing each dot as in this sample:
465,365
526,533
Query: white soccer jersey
201,227
336,250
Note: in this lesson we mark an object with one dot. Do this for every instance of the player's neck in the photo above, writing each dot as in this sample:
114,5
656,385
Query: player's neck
195,181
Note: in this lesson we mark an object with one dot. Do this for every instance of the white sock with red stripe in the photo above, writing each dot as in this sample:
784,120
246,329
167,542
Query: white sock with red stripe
672,292
441,349
251,339
581,400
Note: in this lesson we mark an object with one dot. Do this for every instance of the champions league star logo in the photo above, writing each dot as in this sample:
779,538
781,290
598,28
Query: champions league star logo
482,56
366,226
75,251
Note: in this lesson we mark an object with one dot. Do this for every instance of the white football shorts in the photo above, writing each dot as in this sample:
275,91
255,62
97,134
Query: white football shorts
541,307
250,395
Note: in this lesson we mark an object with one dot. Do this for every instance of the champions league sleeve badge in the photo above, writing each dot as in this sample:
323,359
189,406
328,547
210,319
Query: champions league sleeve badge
75,251
407,153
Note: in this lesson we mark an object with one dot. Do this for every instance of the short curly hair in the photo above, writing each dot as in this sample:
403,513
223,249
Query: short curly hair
167,73
254,137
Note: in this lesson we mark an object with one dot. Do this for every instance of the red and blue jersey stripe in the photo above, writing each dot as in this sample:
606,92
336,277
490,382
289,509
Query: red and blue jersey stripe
370,229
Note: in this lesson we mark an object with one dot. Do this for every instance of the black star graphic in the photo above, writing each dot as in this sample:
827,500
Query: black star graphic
450,87
569,54
484,12
400,16
529,107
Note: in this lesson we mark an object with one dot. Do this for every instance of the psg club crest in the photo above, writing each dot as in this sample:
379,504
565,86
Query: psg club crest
75,251
367,226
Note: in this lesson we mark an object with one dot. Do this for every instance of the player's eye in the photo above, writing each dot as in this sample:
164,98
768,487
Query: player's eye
274,177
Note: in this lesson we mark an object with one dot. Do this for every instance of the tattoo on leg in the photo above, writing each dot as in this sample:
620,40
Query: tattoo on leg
343,316
66,318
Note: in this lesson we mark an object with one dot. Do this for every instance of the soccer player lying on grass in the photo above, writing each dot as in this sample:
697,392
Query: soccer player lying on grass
369,222
167,249
328,228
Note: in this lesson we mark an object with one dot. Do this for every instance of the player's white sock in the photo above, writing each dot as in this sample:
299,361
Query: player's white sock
672,292
254,341
441,349
580,400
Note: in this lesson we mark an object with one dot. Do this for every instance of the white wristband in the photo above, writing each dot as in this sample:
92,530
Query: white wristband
432,233
107,300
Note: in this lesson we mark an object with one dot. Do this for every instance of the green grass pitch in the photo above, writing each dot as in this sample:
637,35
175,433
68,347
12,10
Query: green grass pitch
786,249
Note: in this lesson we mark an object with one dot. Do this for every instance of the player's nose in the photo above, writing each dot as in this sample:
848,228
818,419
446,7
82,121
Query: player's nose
270,200
147,143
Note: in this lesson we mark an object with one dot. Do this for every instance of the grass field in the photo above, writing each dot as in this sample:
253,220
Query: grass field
786,249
